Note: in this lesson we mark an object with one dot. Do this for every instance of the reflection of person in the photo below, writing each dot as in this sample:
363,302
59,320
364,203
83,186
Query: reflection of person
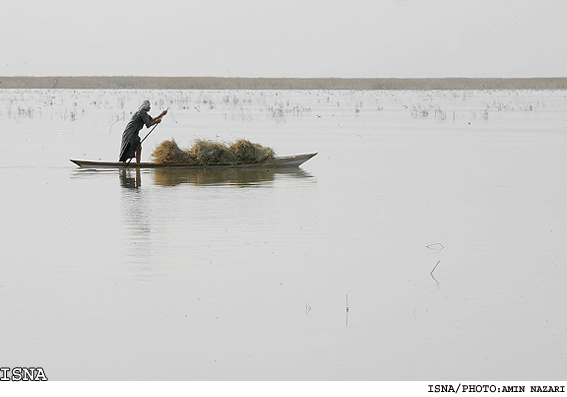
130,137
128,181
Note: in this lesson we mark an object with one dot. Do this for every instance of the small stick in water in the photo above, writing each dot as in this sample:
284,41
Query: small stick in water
431,272
347,308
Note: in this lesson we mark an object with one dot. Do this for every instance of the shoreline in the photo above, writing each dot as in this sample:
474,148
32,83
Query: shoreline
253,83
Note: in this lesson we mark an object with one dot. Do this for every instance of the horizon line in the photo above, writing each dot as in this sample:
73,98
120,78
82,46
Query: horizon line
265,77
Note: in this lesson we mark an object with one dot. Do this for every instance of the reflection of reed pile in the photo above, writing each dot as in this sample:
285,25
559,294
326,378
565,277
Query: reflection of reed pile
202,177
206,152
246,176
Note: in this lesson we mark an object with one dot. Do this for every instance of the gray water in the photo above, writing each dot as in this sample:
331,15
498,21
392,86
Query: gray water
425,241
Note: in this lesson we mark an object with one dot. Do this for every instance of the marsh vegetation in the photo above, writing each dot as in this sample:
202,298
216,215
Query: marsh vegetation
114,107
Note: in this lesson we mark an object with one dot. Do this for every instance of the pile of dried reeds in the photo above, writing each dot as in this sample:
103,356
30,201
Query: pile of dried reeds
207,152
247,152
168,152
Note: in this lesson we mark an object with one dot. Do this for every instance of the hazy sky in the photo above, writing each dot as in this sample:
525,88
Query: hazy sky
285,38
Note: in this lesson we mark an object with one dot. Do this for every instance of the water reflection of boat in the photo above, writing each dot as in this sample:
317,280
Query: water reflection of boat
280,161
226,176
131,178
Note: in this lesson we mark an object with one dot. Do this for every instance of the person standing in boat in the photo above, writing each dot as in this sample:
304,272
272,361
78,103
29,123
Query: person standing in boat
130,137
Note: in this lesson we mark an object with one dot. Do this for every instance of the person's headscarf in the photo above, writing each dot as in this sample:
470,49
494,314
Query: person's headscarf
145,105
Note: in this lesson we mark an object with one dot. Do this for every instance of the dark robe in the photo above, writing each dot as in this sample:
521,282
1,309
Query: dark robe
131,137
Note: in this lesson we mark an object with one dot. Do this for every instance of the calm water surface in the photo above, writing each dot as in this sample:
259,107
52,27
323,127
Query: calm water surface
248,274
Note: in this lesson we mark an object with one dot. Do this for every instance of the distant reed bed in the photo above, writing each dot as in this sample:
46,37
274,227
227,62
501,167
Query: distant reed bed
236,83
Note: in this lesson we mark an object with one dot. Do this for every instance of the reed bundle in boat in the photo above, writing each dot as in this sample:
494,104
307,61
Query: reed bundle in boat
207,152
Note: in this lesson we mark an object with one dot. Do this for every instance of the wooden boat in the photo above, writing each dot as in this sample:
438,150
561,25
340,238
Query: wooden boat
280,161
